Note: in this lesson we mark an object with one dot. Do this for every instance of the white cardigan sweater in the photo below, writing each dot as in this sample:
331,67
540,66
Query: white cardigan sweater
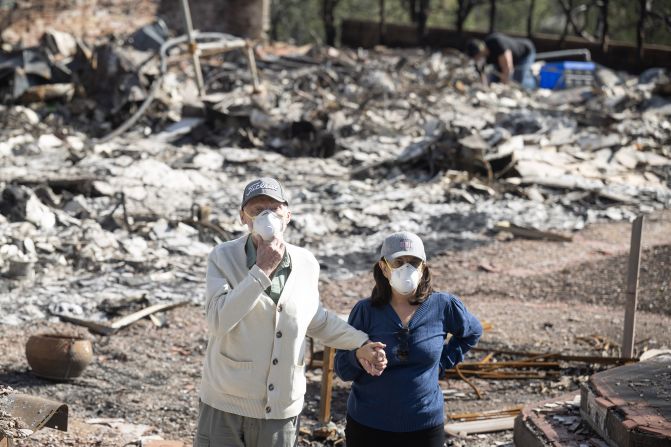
254,360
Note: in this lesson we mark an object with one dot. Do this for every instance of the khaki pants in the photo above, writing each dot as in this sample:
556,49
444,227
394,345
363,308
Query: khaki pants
218,428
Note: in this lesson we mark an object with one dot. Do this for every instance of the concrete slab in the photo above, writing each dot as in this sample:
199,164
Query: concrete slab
554,422
631,405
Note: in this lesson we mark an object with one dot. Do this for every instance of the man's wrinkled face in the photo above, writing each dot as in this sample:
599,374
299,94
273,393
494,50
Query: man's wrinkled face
261,203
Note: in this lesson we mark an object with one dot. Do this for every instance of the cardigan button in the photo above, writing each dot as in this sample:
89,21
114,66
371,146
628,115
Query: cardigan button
267,409
280,308
271,387
275,361
279,334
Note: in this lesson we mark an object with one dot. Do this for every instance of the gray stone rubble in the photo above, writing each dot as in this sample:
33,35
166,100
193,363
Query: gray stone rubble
365,142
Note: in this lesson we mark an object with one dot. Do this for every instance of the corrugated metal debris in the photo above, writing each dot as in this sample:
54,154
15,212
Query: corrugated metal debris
21,415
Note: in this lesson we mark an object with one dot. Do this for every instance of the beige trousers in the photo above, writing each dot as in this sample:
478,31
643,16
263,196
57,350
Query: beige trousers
218,428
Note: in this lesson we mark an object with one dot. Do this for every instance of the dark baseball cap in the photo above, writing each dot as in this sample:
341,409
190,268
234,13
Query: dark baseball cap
474,47
403,243
265,186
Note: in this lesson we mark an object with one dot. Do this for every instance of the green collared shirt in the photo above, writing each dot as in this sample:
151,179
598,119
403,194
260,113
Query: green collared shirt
280,275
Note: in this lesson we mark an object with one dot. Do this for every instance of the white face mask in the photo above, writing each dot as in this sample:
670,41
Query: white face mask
268,225
405,279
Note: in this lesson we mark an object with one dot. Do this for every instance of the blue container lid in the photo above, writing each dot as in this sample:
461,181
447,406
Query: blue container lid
568,65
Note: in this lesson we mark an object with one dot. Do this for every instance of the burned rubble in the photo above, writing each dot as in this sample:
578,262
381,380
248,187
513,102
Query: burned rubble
96,223
361,139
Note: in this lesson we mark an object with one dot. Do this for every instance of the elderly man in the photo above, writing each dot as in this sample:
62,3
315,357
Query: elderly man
512,57
261,301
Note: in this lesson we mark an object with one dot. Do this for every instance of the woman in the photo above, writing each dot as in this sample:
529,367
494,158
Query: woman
404,406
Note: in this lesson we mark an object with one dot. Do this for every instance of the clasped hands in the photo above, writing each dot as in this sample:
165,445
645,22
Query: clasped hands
372,357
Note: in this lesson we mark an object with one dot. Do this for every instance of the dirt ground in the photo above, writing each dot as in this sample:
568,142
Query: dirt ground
537,295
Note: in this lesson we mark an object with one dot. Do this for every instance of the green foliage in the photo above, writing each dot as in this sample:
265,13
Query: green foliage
300,21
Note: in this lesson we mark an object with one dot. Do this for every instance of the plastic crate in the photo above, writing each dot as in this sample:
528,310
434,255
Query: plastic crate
565,74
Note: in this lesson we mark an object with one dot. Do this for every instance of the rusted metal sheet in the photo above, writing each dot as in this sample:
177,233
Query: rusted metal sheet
36,412
629,405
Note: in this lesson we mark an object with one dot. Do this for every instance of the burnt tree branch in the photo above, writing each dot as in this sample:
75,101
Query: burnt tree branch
530,18
492,15
328,17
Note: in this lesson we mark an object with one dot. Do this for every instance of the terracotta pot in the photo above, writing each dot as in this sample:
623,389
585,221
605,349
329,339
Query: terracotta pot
58,356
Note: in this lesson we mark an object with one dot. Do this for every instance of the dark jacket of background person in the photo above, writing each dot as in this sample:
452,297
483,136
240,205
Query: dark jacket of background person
498,43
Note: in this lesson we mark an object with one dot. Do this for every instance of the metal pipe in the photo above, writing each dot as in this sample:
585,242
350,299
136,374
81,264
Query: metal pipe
152,93
167,45
193,47
584,52
222,45
251,61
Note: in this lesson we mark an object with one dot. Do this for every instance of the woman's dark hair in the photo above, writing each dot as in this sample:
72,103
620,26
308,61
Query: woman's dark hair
381,293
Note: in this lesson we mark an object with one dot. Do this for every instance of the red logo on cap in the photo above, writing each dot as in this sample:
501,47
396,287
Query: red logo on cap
406,244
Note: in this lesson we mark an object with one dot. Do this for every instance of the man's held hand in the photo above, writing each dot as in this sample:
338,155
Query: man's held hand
372,357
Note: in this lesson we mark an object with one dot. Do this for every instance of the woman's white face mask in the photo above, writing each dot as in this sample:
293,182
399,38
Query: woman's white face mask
268,225
405,279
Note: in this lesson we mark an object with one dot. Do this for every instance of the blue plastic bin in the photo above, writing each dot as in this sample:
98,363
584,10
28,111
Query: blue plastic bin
559,75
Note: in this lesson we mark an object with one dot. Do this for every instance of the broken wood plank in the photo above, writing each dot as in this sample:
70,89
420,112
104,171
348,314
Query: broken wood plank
111,328
95,326
327,383
567,358
472,416
506,364
632,288
501,375
481,426
531,233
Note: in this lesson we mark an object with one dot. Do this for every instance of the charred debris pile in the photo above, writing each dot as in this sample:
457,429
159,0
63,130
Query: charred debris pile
366,141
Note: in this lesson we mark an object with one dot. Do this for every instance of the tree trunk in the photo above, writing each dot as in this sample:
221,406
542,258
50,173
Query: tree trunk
530,18
567,11
461,16
464,8
328,17
640,32
418,11
246,18
604,25
412,10
422,17
492,16
383,25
